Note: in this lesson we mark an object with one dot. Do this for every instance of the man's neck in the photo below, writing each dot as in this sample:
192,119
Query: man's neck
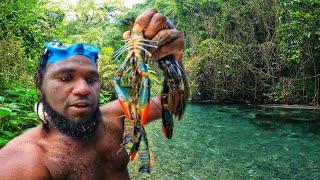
55,132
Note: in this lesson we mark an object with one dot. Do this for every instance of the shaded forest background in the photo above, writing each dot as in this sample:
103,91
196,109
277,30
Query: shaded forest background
258,51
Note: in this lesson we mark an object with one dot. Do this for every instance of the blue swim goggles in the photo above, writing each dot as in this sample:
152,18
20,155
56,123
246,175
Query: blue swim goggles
56,51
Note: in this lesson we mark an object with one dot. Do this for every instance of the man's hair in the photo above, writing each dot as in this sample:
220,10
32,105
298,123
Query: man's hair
39,75
41,69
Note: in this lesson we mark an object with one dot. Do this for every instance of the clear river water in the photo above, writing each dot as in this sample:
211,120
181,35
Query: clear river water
236,142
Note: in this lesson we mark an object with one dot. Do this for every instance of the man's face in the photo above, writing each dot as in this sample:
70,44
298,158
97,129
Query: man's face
71,87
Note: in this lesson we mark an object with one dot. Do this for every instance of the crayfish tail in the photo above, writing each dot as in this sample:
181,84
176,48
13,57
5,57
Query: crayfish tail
145,168
144,154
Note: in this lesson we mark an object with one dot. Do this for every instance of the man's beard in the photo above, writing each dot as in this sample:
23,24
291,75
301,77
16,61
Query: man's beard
82,128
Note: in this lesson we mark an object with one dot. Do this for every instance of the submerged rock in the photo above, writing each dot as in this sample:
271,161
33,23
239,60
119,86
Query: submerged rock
284,117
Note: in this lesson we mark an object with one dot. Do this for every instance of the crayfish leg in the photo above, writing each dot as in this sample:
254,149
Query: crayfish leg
122,92
134,150
144,94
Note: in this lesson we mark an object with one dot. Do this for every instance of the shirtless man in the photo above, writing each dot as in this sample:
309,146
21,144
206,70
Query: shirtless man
79,140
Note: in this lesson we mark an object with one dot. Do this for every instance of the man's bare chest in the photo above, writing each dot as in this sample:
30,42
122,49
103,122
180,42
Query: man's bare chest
80,162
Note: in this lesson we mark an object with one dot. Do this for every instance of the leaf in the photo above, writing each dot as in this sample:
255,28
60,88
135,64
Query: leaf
3,141
1,99
9,134
5,112
13,106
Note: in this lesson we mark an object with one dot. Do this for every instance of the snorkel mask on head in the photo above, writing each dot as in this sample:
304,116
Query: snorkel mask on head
56,51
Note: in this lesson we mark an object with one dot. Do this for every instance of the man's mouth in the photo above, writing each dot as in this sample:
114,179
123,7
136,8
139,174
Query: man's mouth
80,106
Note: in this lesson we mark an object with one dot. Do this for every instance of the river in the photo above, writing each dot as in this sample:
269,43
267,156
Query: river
236,142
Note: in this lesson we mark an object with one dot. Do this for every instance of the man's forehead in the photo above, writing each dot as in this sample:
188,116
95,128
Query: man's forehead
73,64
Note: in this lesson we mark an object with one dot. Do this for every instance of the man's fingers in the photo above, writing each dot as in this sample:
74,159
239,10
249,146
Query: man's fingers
170,41
175,47
157,27
166,36
142,21
163,36
156,24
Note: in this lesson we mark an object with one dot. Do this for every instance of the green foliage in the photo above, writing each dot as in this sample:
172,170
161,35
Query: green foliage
24,27
275,42
299,47
299,23
12,61
92,24
33,24
107,67
205,78
16,112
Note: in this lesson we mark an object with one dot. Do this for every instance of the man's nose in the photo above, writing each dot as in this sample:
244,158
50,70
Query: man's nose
81,88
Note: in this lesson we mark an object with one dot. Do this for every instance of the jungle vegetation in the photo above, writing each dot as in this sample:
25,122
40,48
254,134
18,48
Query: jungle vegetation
258,51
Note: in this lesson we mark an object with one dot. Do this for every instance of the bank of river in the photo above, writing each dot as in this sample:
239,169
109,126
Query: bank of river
237,141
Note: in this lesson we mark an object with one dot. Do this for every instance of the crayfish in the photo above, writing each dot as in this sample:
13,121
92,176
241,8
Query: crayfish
134,97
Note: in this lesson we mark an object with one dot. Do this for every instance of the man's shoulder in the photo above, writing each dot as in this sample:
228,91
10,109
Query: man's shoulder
112,113
23,156
24,143
29,137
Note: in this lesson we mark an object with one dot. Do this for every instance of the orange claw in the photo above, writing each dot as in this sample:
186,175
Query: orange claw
133,155
165,131
124,109
144,117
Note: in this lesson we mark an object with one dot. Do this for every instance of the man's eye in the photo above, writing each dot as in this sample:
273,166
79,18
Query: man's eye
92,80
66,78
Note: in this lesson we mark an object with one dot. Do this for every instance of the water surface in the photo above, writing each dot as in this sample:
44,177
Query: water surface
236,142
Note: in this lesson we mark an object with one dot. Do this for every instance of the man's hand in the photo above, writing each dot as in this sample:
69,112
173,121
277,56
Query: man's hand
155,26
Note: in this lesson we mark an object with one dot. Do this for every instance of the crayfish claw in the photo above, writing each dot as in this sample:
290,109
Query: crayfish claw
167,121
175,94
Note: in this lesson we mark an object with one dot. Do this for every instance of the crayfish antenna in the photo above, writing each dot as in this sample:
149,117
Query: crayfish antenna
149,45
148,53
115,56
121,50
147,40
123,47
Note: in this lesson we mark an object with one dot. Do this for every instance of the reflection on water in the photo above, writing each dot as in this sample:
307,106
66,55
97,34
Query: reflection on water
236,142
